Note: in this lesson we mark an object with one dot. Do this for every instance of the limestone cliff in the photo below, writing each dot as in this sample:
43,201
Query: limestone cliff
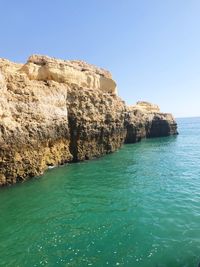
57,111
145,120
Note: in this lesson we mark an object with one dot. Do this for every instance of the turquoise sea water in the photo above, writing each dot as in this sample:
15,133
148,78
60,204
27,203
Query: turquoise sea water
137,207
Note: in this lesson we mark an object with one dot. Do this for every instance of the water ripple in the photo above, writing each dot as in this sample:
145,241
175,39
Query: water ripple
137,207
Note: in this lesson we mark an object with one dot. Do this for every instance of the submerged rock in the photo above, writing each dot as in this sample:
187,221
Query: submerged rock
57,111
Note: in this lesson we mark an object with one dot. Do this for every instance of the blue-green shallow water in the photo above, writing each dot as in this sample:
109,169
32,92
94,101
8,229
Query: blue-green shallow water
137,207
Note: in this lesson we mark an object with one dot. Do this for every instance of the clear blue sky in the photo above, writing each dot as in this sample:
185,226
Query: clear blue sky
152,47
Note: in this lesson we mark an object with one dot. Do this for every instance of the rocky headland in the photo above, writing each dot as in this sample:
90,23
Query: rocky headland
56,111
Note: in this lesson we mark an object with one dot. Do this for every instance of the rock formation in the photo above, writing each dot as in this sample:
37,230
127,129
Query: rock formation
57,111
145,120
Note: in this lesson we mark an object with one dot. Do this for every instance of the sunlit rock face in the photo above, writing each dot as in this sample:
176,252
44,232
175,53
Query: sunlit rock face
57,111
74,72
146,120
147,107
34,129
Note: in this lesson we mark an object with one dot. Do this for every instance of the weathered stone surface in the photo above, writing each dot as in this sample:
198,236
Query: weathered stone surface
96,121
147,107
44,68
145,120
56,111
33,125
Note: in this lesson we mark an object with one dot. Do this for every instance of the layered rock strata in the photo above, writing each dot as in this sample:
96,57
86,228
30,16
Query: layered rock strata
57,111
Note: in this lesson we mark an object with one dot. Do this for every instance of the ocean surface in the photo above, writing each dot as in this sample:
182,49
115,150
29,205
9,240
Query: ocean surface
137,207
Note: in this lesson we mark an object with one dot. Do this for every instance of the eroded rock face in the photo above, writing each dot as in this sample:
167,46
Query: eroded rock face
145,120
33,125
147,107
56,111
44,68
96,121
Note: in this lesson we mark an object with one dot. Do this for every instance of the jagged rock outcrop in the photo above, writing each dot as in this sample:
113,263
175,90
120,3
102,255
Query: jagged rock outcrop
96,122
34,129
145,120
43,68
56,111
